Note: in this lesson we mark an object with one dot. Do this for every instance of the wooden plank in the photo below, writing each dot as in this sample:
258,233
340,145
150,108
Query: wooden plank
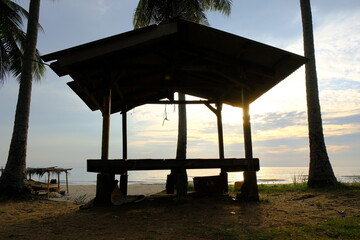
117,166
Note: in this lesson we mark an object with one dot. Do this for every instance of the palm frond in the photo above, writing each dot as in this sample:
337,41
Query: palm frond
224,6
150,12
12,40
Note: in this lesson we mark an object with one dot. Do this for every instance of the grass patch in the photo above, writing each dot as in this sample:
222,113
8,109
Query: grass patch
208,232
347,228
224,234
267,188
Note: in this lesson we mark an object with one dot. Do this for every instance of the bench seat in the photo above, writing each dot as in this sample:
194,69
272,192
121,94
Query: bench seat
118,166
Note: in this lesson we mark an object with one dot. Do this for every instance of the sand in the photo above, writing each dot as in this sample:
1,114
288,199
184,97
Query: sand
168,218
77,191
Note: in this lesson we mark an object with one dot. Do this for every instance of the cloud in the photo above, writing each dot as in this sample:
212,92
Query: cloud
336,148
338,46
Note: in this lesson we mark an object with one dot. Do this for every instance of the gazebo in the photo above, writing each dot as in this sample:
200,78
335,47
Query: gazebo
148,65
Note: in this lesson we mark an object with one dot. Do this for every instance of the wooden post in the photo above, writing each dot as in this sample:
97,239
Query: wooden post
217,112
105,180
249,189
67,183
106,126
48,185
124,133
124,175
223,173
220,130
58,181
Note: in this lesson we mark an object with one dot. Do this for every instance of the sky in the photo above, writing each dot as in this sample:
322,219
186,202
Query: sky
64,132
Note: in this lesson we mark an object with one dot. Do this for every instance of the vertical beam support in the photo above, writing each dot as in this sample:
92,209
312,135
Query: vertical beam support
67,183
106,125
48,185
220,130
223,173
105,180
58,181
124,175
217,112
249,189
124,134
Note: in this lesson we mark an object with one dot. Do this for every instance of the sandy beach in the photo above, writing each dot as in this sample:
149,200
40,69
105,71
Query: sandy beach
279,215
76,191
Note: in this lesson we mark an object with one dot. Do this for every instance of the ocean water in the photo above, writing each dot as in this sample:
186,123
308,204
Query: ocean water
267,175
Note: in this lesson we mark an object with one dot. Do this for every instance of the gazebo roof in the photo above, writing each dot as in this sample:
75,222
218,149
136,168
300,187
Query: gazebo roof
151,63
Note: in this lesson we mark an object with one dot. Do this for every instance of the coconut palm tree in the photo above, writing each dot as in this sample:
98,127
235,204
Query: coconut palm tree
12,182
320,171
12,41
162,11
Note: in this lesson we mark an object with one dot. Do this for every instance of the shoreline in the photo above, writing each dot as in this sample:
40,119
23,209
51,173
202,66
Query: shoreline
89,191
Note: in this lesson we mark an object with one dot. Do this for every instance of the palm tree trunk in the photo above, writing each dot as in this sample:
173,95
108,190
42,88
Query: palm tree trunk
320,170
12,182
182,130
180,174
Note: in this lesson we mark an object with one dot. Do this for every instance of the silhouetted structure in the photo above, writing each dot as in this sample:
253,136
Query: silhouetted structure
149,65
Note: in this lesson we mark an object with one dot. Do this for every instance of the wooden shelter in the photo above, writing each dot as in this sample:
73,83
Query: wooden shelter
48,171
148,65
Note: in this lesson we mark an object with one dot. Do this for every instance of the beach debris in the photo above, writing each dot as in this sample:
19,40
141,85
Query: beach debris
54,195
80,199
342,213
117,198
303,197
87,205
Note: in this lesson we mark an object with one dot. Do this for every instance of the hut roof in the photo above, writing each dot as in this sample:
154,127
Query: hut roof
42,171
150,64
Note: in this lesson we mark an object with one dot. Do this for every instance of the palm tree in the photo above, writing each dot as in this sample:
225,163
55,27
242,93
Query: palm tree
320,171
12,184
162,11
12,42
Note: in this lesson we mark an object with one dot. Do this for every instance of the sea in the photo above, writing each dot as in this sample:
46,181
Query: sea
266,175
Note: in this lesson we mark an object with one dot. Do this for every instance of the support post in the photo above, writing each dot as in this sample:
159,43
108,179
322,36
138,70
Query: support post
106,125
249,189
48,185
217,112
223,173
180,175
105,179
124,175
220,130
58,182
67,183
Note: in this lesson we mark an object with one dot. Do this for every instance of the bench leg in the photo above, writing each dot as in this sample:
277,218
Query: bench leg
249,189
224,178
105,184
124,184
170,183
181,182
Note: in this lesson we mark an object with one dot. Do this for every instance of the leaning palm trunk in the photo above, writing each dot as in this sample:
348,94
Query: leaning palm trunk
155,12
320,171
12,181
181,175
182,129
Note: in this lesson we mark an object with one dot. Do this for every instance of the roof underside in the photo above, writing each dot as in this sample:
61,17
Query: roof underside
149,64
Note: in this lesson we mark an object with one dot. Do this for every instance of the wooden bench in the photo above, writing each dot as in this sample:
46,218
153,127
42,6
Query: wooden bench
118,166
